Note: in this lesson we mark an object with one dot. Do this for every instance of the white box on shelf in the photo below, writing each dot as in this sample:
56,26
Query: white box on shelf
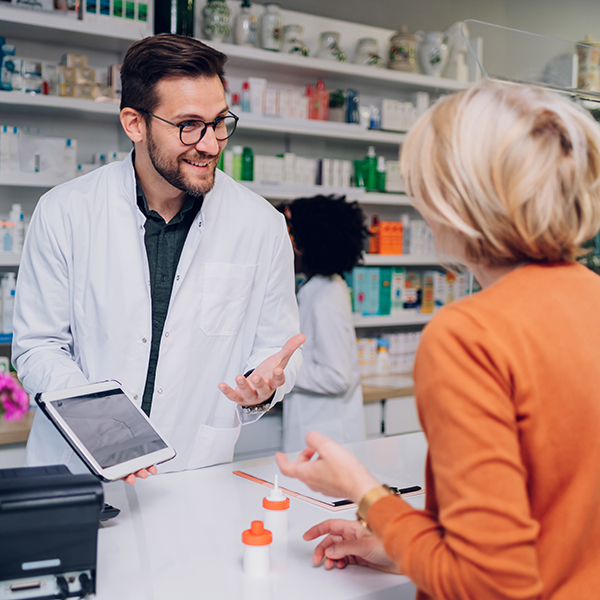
286,106
391,115
289,168
393,178
258,87
271,103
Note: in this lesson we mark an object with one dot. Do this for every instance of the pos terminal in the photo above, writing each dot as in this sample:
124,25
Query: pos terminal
48,532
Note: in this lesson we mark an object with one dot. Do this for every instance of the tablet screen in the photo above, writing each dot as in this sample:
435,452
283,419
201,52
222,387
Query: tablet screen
109,426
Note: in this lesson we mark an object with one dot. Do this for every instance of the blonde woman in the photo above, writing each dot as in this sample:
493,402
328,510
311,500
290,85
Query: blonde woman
507,381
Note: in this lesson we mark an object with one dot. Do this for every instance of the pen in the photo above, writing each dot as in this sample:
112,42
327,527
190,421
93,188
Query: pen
406,490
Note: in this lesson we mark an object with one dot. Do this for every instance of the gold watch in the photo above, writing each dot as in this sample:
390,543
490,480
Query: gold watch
381,491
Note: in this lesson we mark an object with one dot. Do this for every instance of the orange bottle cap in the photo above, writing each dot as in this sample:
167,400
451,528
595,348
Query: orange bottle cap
276,504
257,535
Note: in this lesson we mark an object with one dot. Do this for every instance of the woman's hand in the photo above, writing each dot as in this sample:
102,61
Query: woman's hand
348,543
336,471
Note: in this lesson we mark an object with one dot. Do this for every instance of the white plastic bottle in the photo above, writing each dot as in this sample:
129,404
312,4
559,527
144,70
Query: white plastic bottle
70,157
276,507
8,302
257,541
16,217
383,357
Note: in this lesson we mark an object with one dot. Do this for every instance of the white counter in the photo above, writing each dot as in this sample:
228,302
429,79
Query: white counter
179,536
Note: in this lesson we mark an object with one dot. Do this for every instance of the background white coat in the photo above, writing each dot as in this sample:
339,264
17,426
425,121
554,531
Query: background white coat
327,396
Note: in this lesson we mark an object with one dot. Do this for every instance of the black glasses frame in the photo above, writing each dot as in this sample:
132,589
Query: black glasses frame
181,127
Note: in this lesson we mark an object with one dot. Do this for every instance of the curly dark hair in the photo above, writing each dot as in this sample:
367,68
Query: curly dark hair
329,232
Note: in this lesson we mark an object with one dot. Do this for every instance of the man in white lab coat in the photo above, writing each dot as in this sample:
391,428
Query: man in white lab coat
161,272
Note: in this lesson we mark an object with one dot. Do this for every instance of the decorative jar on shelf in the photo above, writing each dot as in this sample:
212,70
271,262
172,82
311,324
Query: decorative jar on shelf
246,25
292,40
329,47
271,27
401,54
432,51
367,53
215,20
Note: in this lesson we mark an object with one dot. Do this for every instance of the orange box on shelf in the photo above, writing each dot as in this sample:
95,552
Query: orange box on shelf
390,237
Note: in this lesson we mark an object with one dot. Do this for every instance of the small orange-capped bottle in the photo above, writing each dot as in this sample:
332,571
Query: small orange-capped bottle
276,507
257,541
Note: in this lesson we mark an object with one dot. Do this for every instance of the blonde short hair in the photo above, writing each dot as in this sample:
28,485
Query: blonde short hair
513,169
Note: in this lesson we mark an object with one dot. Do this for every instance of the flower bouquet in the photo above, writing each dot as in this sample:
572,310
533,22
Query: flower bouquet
14,401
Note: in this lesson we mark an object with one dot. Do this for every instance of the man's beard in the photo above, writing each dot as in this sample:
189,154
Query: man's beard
172,172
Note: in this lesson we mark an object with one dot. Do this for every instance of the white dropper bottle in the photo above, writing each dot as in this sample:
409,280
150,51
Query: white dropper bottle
276,512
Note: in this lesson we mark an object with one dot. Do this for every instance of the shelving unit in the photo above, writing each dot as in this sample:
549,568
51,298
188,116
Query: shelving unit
52,105
400,260
282,64
391,320
54,28
311,136
312,128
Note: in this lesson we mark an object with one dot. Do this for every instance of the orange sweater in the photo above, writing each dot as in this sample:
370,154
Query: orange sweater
508,391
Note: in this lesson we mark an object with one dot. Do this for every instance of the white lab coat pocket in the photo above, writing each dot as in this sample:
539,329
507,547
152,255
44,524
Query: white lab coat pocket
226,290
213,446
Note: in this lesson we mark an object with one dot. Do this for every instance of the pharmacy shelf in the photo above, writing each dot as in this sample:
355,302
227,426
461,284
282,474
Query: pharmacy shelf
42,26
385,199
286,191
391,320
21,102
286,64
322,129
400,260
33,180
9,260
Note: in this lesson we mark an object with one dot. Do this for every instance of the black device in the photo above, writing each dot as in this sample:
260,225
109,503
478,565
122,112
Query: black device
48,533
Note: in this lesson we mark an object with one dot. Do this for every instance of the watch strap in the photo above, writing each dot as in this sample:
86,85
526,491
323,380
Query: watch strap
374,494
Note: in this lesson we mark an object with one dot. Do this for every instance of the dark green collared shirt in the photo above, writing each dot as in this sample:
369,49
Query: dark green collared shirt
164,244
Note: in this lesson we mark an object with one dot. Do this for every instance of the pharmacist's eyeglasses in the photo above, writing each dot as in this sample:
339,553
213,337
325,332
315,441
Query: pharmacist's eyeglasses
191,132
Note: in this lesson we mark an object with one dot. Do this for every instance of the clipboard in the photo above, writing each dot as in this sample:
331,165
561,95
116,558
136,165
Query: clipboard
265,475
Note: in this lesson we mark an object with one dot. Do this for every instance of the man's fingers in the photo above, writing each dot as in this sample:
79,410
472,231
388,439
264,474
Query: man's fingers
289,348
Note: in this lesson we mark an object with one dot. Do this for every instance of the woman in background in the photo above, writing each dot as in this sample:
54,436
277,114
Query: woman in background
327,234
506,381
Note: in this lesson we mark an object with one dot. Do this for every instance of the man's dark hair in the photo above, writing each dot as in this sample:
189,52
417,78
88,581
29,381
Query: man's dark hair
163,56
329,232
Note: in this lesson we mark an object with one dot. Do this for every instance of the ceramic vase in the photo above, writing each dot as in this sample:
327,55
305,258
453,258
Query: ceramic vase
367,53
401,54
329,48
292,40
246,26
432,51
215,20
271,27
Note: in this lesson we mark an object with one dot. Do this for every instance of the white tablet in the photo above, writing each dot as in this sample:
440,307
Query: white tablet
106,429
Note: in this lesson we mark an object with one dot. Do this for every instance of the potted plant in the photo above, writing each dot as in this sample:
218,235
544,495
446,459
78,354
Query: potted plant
337,101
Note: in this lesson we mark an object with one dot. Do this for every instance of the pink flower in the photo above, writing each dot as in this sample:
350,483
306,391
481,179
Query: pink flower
14,401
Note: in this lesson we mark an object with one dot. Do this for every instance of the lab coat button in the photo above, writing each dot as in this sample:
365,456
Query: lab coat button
135,397
177,277
159,390
144,340
166,334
